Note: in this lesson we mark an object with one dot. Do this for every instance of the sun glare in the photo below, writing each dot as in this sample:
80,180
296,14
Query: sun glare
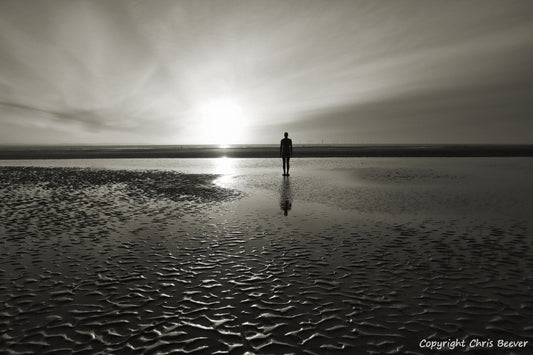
222,122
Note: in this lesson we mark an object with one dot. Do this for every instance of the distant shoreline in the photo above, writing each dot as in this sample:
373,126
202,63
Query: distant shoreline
303,151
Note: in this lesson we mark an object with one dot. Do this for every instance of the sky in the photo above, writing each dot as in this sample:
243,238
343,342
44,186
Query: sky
243,72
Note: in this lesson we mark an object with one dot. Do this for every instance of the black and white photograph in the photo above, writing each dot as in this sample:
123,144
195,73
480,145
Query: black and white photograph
261,177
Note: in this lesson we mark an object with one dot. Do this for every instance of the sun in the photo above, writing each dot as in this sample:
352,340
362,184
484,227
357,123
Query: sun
222,122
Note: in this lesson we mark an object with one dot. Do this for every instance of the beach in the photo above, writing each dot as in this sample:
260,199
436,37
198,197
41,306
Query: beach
266,177
226,256
16,152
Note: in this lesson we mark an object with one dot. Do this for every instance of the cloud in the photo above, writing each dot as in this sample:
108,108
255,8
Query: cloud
476,114
142,70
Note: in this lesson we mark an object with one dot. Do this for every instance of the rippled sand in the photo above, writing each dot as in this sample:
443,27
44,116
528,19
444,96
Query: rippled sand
101,261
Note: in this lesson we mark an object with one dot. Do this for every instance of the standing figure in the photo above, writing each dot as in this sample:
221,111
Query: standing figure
285,152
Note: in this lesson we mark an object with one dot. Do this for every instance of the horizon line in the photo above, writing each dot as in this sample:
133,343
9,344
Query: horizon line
244,145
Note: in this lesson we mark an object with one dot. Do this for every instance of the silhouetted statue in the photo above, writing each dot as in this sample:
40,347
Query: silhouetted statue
285,152
285,196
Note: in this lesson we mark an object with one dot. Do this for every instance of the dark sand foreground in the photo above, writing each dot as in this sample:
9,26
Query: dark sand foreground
99,261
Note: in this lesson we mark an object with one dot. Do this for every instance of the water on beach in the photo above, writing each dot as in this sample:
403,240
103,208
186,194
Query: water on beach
353,255
387,187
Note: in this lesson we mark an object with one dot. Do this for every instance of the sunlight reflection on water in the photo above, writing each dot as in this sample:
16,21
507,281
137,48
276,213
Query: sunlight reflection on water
224,166
499,186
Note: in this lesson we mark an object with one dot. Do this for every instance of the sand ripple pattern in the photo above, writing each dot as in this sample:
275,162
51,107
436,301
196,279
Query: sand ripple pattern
90,263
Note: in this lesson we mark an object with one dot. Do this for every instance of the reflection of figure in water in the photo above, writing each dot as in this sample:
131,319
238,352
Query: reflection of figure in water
285,152
285,196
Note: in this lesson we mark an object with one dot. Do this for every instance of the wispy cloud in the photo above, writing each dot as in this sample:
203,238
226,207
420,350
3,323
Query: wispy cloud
123,71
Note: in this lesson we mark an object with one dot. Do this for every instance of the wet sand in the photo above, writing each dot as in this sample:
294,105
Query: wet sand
103,261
